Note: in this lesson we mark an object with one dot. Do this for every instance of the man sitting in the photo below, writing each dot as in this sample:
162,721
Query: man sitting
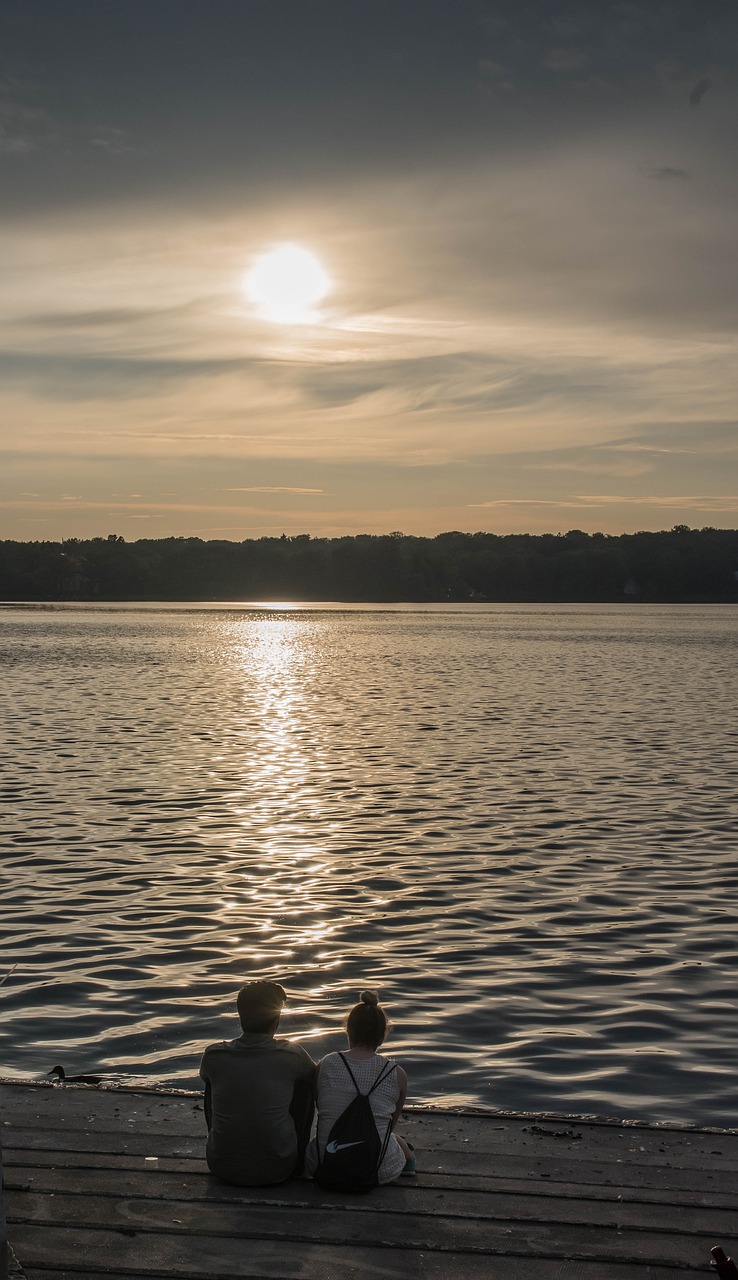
258,1096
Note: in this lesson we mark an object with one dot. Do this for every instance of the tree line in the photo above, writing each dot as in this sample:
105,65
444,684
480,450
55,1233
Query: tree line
680,564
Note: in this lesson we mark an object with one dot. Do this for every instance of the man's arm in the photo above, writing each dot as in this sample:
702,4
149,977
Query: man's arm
208,1100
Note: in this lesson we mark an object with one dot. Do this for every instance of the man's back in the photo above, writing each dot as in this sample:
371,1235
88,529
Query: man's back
250,1083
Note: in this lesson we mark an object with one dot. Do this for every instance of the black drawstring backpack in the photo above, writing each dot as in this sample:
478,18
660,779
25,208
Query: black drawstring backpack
353,1153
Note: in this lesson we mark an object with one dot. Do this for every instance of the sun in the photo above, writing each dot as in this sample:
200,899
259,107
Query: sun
286,284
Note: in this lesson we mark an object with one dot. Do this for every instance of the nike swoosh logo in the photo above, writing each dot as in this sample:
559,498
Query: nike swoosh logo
333,1147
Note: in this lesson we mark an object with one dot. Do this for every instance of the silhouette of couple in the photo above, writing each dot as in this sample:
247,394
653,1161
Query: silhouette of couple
261,1094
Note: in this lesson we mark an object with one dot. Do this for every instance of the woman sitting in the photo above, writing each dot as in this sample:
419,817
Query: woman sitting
342,1078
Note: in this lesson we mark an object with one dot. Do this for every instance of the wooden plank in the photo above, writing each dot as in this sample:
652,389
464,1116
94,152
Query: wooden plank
492,1269
128,1175
487,1133
359,1228
135,1132
206,1258
411,1201
3,1226
490,1134
99,1160
618,1175
440,1116
631,1169
495,1132
411,1197
142,1144
112,1111
91,1111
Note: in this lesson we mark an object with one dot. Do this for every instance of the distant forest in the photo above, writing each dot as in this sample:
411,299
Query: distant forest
682,564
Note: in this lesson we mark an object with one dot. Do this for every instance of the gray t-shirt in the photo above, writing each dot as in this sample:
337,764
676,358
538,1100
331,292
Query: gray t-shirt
252,1139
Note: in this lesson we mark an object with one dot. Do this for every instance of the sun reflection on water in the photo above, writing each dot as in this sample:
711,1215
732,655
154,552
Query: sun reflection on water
277,907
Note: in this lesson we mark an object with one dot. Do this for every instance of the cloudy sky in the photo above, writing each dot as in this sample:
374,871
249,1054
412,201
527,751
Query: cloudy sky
526,215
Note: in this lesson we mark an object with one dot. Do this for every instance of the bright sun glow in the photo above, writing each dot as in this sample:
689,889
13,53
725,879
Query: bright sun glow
286,284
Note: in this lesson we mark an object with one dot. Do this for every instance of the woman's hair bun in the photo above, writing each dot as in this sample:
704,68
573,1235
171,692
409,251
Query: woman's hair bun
369,997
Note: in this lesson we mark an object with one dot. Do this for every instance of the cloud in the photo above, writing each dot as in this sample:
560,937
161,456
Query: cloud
715,504
116,142
565,59
696,502
699,91
104,317
693,437
470,380
273,489
631,447
79,377
22,127
598,466
577,503
668,174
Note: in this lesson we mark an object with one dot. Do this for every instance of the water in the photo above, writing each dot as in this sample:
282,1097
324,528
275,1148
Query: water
517,822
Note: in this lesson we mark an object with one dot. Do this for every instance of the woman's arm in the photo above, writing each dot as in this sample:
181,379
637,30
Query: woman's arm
402,1082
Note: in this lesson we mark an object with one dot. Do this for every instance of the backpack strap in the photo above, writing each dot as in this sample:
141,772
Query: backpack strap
384,1073
385,1145
353,1077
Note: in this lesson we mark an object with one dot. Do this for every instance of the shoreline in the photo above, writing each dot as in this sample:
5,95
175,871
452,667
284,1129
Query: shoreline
418,1109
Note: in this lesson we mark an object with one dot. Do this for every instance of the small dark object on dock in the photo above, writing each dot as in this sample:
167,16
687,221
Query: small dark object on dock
61,1073
542,1131
723,1265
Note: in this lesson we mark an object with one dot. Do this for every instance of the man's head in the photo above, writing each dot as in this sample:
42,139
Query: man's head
259,1006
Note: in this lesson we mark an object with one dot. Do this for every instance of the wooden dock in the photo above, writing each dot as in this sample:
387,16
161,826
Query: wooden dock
112,1182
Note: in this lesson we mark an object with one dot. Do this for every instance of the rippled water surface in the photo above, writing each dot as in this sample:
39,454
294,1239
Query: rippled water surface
518,822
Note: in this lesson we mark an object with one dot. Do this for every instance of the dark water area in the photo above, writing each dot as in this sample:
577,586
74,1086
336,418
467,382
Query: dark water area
518,822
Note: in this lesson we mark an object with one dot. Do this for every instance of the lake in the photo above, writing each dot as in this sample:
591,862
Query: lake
517,822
